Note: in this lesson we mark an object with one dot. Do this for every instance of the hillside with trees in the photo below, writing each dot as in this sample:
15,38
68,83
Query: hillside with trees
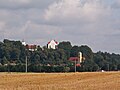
13,55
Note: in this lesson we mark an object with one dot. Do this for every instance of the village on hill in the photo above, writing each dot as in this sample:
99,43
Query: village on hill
17,56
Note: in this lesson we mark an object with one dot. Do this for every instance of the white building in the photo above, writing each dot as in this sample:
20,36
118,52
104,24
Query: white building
23,43
80,57
52,44
29,47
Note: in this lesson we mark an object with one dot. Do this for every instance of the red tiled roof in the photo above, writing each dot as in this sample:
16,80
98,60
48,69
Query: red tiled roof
48,42
54,41
78,65
31,46
73,58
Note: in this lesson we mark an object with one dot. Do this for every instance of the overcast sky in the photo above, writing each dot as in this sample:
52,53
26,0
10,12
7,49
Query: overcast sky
95,23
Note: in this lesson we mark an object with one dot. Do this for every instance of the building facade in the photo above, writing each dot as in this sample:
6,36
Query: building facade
52,44
29,47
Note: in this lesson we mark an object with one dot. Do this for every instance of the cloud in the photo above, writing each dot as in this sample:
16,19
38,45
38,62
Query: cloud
40,33
24,4
116,4
74,10
91,22
20,1
32,32
2,25
85,17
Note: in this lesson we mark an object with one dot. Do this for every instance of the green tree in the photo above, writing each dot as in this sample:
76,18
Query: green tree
87,52
15,53
89,65
74,51
37,59
66,46
4,61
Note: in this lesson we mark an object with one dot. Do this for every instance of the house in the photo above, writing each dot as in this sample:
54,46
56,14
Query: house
31,47
73,59
23,43
78,59
52,44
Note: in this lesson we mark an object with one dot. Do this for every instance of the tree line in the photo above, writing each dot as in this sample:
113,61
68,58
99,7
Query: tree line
13,54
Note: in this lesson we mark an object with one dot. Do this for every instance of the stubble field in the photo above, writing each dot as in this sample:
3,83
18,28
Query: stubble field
60,81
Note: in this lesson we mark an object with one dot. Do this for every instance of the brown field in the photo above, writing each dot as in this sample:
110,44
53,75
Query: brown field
60,81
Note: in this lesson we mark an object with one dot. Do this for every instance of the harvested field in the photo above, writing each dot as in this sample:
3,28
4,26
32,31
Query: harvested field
60,81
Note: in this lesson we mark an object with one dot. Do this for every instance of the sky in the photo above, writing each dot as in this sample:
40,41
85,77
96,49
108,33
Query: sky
95,23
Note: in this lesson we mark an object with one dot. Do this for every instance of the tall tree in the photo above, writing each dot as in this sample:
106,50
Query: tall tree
74,51
87,52
4,61
66,46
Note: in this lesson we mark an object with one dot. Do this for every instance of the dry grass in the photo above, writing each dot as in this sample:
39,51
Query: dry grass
60,81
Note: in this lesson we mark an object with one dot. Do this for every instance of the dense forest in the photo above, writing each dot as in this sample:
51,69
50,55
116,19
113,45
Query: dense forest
13,55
